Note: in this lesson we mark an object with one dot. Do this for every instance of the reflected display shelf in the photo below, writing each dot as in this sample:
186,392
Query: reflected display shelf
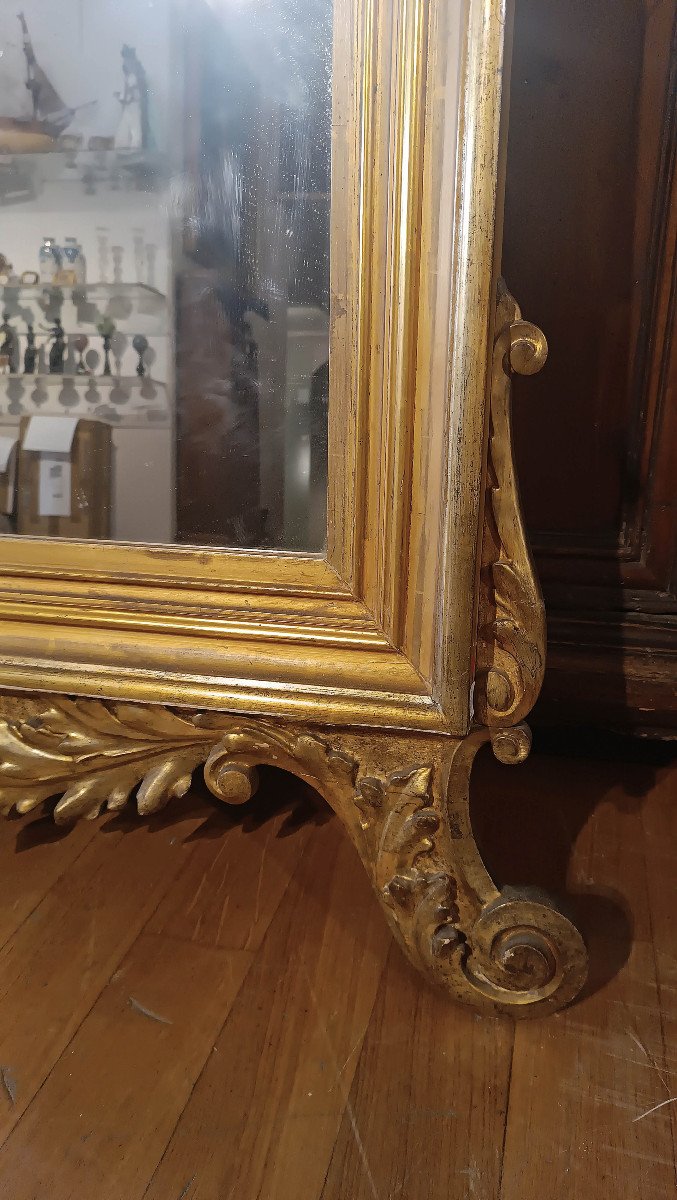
71,156
134,307
38,380
105,289
77,292
121,401
23,177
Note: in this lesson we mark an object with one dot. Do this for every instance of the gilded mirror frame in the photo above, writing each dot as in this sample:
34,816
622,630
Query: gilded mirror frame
233,628
377,671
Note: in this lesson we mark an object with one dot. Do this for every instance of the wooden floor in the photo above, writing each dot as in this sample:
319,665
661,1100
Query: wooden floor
210,1007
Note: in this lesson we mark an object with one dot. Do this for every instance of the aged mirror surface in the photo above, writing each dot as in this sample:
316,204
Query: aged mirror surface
164,269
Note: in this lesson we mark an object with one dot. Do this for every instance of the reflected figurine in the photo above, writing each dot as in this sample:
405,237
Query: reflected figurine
81,343
132,132
106,328
8,347
30,353
140,344
57,349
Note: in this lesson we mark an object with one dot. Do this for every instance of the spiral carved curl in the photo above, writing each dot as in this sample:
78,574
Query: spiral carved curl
524,949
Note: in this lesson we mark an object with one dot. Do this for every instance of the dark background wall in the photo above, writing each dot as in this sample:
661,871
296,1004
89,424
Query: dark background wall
591,217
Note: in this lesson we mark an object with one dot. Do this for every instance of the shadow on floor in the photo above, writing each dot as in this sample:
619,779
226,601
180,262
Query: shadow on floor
278,793
527,821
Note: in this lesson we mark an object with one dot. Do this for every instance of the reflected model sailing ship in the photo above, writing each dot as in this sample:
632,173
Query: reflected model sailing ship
51,117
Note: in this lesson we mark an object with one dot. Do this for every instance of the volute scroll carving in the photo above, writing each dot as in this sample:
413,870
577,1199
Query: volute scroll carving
511,631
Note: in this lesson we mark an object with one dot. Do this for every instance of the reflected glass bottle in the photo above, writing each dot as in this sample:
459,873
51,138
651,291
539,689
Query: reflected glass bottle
50,260
74,259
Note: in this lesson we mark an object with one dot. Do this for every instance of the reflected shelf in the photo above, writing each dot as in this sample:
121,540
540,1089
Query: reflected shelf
133,307
87,289
118,400
70,154
23,176
81,291
38,380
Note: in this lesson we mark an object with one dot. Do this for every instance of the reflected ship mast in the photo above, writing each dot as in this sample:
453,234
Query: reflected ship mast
51,117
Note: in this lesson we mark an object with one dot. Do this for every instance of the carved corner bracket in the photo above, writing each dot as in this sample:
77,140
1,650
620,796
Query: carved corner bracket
511,629
403,799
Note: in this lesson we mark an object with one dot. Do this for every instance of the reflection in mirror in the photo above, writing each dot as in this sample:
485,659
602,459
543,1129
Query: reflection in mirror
164,270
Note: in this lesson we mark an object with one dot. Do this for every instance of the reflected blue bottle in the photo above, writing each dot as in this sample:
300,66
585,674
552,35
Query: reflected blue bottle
50,260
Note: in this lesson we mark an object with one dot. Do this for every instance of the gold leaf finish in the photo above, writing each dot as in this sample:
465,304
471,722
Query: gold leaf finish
95,753
512,744
402,798
353,671
372,634
512,633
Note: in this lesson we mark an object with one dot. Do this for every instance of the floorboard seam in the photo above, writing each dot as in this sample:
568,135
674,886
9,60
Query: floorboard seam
57,879
659,991
125,952
500,1195
200,1073
377,993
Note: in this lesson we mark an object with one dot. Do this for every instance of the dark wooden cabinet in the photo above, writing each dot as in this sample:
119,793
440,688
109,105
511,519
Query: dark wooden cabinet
590,225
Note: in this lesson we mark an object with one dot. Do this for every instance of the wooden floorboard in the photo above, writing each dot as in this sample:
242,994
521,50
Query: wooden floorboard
269,1104
581,1080
110,1104
659,822
62,956
209,1006
32,858
240,867
425,1115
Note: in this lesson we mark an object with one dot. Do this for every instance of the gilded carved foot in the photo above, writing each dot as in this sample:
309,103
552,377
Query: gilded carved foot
512,950
402,798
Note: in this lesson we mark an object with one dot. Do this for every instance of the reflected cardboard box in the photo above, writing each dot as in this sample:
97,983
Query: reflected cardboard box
64,478
8,458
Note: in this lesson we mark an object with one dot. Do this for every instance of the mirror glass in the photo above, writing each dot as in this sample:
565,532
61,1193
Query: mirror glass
164,270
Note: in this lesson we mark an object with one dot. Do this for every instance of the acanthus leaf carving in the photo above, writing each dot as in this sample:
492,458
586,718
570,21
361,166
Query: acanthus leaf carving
95,753
510,949
511,629
400,823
